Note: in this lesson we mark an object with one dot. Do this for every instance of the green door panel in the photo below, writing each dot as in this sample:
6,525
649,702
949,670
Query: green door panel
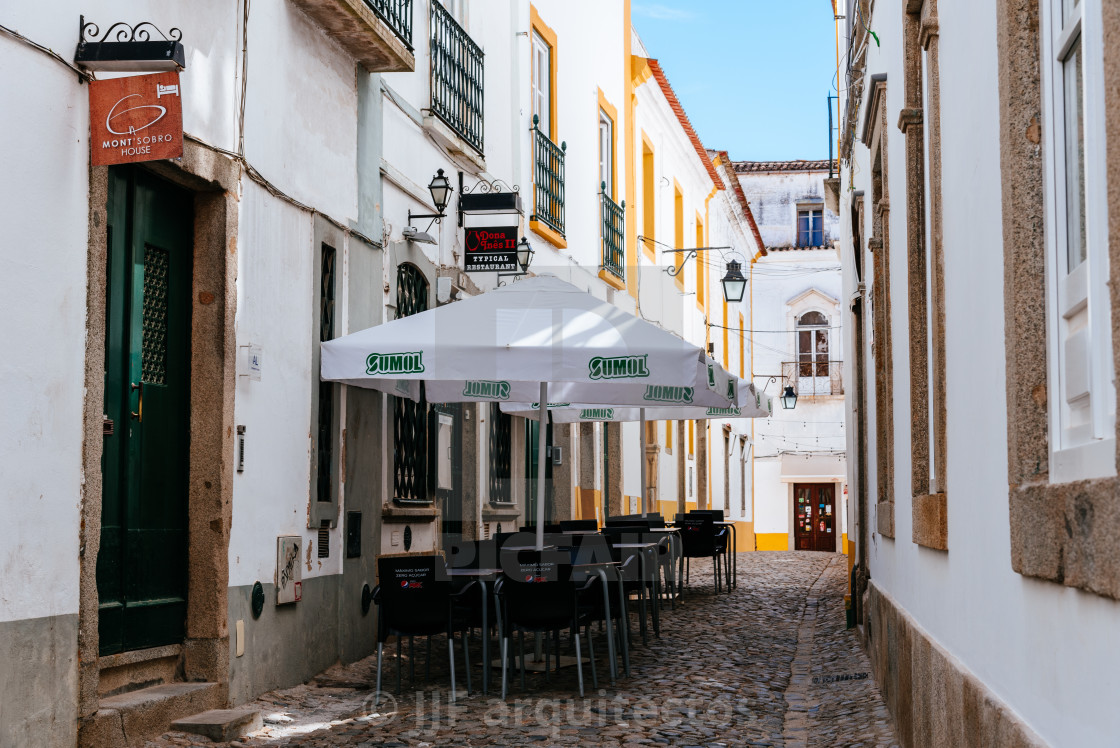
141,566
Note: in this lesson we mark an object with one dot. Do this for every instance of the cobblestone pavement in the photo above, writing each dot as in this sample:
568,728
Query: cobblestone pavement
770,664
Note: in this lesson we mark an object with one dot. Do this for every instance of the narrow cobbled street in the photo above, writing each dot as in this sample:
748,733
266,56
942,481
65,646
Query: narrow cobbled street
770,664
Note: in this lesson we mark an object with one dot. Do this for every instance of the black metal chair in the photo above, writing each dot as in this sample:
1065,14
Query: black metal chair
536,594
414,598
717,516
578,525
646,586
701,539
473,554
548,527
595,549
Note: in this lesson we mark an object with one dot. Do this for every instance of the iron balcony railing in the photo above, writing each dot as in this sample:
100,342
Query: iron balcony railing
456,77
548,176
397,14
614,218
814,376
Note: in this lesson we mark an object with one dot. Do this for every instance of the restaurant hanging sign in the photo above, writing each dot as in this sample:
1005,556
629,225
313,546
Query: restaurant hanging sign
490,248
137,118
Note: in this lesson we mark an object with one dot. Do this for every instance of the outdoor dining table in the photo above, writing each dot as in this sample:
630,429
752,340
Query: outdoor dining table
484,577
644,549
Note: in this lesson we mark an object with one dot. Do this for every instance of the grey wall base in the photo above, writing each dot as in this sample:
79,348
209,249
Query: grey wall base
289,644
39,681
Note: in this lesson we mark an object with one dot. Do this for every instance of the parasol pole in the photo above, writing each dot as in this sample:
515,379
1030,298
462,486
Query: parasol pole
540,464
642,447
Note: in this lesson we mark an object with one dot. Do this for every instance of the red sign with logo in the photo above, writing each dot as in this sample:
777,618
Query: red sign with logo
493,248
138,118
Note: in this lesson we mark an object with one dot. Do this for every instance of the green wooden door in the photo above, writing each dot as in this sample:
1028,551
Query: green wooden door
141,567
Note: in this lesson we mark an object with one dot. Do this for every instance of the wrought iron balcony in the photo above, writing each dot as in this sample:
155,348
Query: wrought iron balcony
377,33
548,176
456,77
614,225
397,14
814,376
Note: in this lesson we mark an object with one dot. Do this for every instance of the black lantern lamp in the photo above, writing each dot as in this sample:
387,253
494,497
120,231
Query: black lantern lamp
524,254
789,398
440,189
734,284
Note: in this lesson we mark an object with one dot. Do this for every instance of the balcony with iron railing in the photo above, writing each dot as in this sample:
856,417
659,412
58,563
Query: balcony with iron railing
548,179
814,378
613,231
377,33
396,13
456,78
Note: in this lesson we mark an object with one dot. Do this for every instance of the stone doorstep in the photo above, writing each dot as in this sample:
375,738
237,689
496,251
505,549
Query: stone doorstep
221,725
133,717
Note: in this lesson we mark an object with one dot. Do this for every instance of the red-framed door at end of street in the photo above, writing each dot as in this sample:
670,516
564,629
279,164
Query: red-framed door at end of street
814,516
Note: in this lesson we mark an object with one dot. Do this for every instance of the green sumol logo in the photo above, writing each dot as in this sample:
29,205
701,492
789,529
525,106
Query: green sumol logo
618,367
711,377
732,390
537,406
597,414
723,411
395,363
486,390
665,394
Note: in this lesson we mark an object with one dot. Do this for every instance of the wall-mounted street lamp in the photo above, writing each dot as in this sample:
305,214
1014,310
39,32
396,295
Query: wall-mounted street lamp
789,398
440,189
734,284
525,254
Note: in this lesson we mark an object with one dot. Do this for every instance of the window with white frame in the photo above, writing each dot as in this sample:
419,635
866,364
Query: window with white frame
606,152
1082,389
542,83
810,225
812,345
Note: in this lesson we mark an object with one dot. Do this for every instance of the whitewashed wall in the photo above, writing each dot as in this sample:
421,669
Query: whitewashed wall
1042,648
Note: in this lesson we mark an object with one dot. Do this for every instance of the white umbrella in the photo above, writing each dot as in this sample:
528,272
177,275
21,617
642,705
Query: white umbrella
530,334
751,403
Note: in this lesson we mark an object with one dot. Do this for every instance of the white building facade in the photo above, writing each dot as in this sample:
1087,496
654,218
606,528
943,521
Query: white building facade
796,328
978,225
312,129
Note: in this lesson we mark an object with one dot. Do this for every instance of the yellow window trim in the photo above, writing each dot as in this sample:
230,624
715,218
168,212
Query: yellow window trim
612,113
630,213
649,189
708,238
546,232
701,263
726,346
678,232
536,23
612,279
742,345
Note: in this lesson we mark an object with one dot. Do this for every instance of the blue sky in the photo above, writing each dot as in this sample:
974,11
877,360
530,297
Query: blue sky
753,75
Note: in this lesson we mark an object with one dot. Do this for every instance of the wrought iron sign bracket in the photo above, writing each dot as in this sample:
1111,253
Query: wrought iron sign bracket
131,48
493,197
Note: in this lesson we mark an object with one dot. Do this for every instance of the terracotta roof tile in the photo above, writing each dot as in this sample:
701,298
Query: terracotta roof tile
750,167
725,159
678,110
